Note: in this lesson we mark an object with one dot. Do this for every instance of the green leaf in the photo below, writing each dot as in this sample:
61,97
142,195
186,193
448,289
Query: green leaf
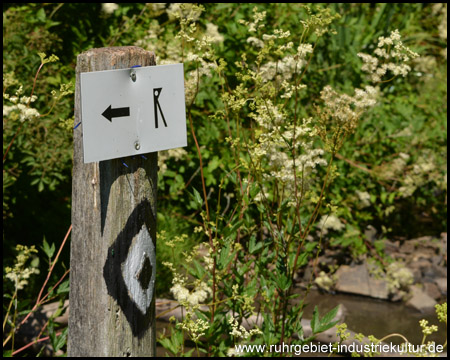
199,270
320,325
174,343
49,250
41,186
327,319
64,287
226,255
253,246
198,198
230,231
61,340
315,320
40,15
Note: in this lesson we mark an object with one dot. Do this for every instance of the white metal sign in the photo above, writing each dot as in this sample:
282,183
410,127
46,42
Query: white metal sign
132,111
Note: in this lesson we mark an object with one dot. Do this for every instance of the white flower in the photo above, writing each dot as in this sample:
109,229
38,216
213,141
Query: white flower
304,49
239,331
267,37
213,32
109,8
188,11
364,197
332,222
394,51
255,42
180,293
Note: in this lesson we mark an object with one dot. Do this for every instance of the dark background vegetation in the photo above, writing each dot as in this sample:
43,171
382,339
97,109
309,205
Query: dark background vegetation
37,169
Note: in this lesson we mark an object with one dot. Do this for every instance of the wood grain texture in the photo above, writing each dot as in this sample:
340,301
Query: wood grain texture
111,204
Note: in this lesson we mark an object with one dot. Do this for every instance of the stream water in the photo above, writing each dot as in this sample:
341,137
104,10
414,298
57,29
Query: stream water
367,316
377,317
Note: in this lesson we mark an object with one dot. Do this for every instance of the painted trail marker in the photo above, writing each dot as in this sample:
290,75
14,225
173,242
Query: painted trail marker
132,111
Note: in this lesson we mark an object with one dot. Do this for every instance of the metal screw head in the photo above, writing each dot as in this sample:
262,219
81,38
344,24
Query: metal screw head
133,75
137,146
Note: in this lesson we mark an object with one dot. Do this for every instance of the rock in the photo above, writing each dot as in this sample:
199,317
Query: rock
444,244
425,246
425,270
432,272
432,290
391,247
442,285
420,300
36,323
357,280
437,260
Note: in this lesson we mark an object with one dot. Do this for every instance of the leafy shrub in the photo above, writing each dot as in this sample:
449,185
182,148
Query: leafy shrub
288,153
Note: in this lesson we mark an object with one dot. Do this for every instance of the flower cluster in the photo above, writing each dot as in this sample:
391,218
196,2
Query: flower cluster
441,312
364,198
185,11
64,90
195,328
257,22
391,55
340,114
109,8
342,332
330,222
200,290
320,22
423,171
427,330
238,331
19,274
399,278
46,60
20,108
192,45
192,298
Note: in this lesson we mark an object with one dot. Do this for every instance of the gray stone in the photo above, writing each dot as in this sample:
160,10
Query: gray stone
357,280
420,300
442,285
432,290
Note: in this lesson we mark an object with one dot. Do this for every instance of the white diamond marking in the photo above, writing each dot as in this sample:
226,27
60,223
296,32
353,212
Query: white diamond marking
141,248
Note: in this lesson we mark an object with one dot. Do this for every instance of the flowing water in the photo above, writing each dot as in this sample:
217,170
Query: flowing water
365,315
377,317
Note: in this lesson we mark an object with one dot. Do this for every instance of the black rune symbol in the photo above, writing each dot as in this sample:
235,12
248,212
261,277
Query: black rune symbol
156,93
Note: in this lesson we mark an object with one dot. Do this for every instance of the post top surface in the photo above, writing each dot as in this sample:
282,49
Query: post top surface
115,49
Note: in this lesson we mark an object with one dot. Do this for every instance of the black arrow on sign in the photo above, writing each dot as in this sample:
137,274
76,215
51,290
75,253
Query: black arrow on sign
118,112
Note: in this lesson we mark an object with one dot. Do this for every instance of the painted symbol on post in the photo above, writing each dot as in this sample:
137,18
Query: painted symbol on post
156,93
130,269
137,270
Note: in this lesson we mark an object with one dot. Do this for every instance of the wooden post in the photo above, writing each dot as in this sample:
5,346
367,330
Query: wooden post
112,258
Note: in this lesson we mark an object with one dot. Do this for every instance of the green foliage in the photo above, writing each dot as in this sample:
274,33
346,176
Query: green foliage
319,325
287,154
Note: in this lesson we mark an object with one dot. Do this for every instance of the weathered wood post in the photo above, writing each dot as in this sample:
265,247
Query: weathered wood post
113,237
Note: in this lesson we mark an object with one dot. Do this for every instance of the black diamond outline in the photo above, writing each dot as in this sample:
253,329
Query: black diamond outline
112,270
